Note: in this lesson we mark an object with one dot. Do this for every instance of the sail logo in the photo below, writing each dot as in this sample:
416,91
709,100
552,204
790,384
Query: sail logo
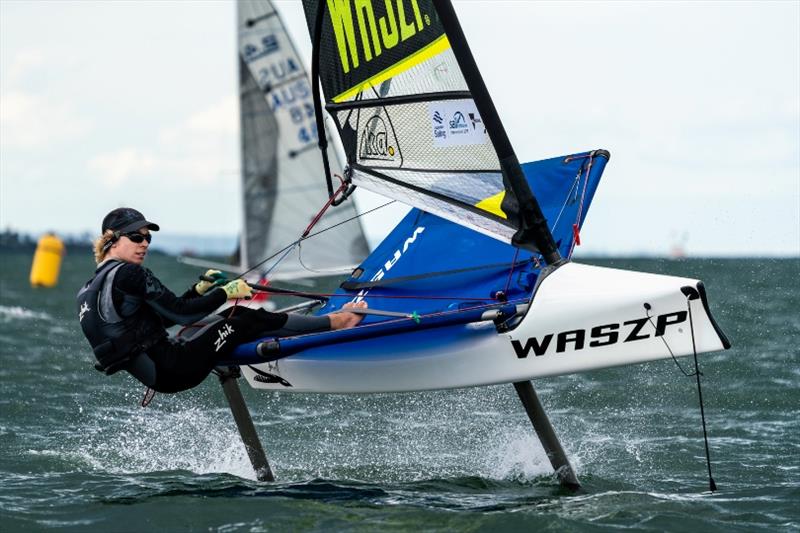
401,20
604,335
222,336
83,310
376,143
458,130
458,124
476,120
276,72
289,94
268,45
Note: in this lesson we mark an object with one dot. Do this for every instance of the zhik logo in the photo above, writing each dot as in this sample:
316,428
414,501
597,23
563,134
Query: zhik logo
222,336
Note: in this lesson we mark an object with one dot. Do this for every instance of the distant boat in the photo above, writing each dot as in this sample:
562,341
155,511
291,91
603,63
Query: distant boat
283,185
678,248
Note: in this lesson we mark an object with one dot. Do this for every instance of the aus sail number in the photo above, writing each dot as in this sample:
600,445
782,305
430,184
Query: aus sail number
603,335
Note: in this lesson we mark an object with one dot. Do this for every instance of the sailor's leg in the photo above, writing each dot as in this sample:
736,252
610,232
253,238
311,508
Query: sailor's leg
244,423
547,435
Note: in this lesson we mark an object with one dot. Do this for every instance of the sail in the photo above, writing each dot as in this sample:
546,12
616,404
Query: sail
283,185
409,123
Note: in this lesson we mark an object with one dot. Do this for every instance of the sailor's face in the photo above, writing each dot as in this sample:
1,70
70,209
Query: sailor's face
129,251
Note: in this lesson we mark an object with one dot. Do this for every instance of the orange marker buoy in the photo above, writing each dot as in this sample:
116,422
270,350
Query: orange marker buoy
47,261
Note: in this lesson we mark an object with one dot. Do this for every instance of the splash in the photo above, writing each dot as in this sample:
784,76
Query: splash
143,441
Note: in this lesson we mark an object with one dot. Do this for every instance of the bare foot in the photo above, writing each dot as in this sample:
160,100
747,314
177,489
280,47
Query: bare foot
343,319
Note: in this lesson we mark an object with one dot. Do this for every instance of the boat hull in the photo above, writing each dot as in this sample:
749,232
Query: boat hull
581,318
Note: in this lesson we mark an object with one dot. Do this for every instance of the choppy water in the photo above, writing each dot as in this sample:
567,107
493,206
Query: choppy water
77,451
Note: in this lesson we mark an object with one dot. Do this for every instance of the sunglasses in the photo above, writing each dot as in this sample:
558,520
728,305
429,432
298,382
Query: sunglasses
137,237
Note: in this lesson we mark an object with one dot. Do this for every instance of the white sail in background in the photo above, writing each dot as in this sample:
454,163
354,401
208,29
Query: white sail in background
283,184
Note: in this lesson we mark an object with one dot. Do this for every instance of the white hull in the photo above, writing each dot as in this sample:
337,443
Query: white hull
581,318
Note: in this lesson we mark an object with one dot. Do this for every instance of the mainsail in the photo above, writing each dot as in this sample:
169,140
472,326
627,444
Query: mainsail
409,120
283,185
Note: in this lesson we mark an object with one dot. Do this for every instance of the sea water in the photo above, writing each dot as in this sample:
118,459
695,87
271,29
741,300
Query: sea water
78,453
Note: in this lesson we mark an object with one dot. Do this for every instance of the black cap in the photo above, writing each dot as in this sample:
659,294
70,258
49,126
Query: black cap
126,219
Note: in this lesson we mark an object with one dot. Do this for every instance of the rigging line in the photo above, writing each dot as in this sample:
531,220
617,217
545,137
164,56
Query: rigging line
574,187
257,265
576,157
328,295
342,187
664,340
576,226
511,270
711,484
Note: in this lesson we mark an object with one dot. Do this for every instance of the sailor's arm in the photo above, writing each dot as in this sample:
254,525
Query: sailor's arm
187,309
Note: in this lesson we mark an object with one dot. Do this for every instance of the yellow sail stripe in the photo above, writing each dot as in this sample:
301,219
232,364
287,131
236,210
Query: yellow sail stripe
439,45
492,204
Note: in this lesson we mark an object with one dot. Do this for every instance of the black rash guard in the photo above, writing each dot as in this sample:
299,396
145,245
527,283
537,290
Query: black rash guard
139,282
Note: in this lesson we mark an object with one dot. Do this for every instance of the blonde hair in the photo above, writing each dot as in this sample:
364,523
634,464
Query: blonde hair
100,243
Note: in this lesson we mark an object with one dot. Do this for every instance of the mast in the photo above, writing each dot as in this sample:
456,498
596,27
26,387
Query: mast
532,224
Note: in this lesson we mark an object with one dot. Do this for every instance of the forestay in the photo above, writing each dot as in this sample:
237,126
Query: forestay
409,125
283,185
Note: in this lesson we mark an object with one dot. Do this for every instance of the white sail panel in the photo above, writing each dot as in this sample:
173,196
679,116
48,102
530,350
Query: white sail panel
283,184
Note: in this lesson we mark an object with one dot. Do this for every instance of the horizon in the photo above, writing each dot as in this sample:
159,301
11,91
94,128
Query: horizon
217,246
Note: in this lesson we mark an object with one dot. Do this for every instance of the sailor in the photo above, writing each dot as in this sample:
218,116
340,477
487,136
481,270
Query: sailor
124,310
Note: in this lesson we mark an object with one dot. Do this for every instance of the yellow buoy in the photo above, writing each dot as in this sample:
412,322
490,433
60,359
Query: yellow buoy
47,261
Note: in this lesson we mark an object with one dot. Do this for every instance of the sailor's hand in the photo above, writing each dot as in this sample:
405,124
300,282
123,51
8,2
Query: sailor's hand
343,319
203,286
238,288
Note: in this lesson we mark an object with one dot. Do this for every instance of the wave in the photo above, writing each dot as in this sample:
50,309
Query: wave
16,312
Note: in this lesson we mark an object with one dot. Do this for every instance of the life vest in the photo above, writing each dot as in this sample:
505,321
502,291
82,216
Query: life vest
115,339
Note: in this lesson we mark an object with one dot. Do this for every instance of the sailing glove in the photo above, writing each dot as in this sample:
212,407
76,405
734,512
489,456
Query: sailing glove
238,288
203,286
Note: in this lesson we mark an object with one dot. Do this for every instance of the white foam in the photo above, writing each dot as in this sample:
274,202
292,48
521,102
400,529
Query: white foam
15,312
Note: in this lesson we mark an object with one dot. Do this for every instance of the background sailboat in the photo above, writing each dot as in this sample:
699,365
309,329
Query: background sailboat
283,185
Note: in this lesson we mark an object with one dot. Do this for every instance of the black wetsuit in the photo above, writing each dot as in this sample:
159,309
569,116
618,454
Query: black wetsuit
176,364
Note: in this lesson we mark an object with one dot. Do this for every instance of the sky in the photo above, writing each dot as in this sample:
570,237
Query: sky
105,104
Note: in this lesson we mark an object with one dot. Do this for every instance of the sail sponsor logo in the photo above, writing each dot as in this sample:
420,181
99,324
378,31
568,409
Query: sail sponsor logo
267,45
598,336
381,25
377,142
476,121
456,123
